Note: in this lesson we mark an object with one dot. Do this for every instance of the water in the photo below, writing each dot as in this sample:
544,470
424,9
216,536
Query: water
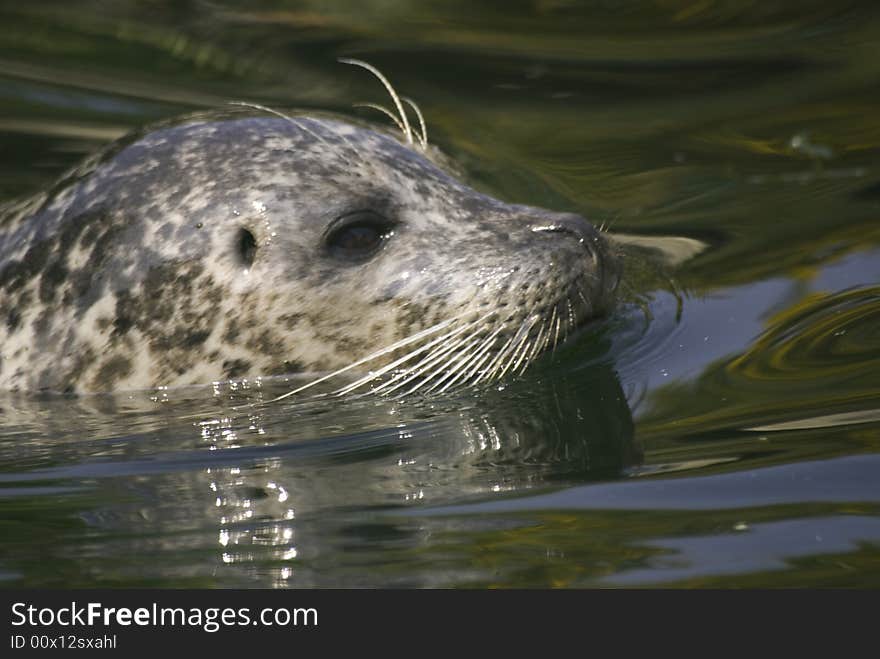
722,428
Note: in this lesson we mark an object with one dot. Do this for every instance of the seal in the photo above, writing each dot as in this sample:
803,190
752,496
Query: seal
245,242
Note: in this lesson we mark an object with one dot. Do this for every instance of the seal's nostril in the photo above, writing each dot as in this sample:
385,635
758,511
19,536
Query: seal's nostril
571,224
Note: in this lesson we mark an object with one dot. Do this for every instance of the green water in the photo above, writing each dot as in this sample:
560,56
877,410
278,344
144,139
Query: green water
722,428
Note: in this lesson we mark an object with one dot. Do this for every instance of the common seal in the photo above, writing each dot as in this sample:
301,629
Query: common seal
244,243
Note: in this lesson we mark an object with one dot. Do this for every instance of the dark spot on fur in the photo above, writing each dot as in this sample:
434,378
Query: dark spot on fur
291,320
18,273
82,361
266,342
234,368
111,371
123,321
90,235
43,322
53,277
13,319
73,227
231,334
192,339
286,367
392,289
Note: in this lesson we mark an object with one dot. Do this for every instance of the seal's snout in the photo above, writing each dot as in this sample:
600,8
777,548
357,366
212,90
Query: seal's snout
583,253
571,227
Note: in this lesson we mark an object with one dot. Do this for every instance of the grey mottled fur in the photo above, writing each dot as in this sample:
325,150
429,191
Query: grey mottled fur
127,275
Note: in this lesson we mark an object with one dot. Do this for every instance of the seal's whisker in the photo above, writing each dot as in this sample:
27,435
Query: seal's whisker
375,355
587,306
491,368
407,131
296,121
489,372
556,331
299,123
520,339
483,353
505,365
571,316
436,355
516,361
520,368
263,108
606,225
441,346
463,357
424,366
423,138
335,193
420,380
537,344
538,347
388,113
546,340
466,360
373,375
522,359
477,359
402,360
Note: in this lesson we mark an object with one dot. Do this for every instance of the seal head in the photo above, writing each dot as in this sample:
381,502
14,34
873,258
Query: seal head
231,245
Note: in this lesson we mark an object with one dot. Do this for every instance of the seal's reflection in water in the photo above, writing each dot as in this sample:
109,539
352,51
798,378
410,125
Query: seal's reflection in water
309,511
225,489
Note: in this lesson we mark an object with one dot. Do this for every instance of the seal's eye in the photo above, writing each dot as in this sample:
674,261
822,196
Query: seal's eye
247,247
358,235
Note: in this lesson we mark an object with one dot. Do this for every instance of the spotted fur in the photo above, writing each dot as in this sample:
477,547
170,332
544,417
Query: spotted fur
127,273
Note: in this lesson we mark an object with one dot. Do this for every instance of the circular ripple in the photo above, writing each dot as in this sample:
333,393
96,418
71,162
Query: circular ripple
833,338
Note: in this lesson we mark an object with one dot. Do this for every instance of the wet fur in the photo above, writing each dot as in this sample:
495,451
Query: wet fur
126,274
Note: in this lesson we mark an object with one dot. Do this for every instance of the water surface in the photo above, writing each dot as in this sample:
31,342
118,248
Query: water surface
722,428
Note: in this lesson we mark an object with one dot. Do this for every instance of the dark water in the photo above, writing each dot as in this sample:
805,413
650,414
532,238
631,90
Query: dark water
721,429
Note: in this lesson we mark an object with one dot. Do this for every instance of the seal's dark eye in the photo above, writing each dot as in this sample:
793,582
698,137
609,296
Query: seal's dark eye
247,247
358,235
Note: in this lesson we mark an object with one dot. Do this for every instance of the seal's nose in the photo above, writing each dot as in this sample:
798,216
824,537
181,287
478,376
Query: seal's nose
566,223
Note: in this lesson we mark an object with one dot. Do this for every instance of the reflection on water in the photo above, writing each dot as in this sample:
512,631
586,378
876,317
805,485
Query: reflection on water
269,491
764,547
720,429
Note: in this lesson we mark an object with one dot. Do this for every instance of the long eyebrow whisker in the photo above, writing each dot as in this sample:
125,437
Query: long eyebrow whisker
263,108
423,138
299,123
388,113
407,131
